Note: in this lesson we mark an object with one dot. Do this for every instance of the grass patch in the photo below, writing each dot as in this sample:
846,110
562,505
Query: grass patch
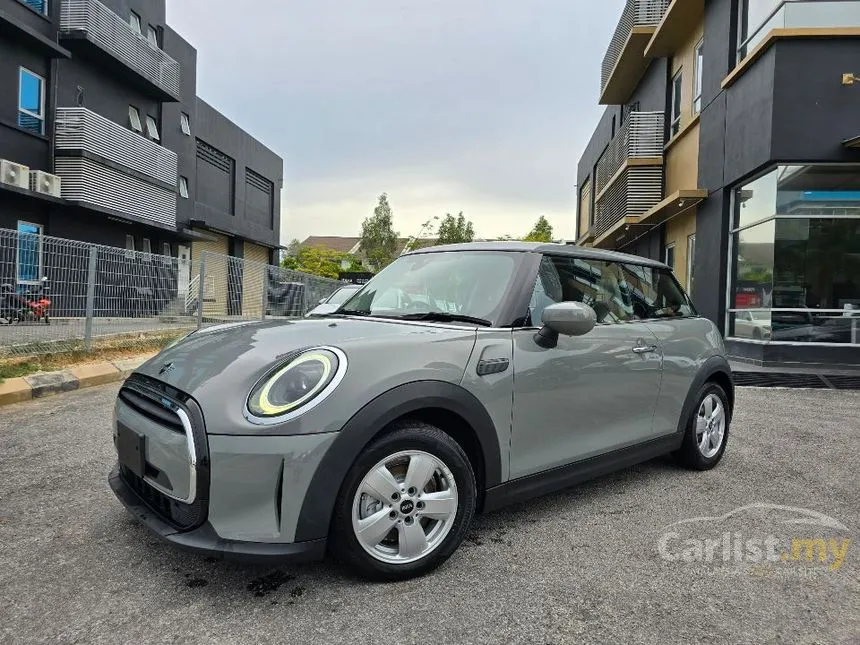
108,349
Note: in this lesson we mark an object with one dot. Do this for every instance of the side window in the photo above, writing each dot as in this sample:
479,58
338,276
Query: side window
655,293
599,284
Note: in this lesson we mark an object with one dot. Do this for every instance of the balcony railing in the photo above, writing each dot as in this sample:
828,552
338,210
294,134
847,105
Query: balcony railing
83,129
636,13
629,174
109,32
641,136
106,165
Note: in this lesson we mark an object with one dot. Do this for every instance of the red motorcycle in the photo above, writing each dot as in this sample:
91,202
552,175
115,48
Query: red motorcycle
32,305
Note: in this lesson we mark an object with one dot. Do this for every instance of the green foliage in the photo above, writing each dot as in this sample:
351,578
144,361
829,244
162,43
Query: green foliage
316,261
454,230
542,231
378,237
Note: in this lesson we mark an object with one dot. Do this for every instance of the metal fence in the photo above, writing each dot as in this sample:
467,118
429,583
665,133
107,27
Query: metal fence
106,296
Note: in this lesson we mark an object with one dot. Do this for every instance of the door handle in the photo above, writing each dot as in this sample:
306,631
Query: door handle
642,348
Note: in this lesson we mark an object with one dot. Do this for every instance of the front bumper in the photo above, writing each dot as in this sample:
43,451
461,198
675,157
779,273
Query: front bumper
205,541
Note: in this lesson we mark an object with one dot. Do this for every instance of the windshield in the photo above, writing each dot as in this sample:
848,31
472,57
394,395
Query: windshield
340,296
447,285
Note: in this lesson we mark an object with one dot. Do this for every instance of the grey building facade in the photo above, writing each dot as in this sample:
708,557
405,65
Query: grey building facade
742,171
103,95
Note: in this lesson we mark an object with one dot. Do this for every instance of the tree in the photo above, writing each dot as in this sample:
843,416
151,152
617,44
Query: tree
454,230
315,261
542,231
378,238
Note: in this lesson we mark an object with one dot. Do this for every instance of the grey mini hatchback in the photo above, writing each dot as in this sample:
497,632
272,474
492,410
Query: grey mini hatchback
458,380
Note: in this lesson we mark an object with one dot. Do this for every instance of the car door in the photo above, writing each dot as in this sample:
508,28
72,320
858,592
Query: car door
589,394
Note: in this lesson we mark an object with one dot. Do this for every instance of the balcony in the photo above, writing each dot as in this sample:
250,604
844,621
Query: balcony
680,18
629,177
111,168
88,24
625,61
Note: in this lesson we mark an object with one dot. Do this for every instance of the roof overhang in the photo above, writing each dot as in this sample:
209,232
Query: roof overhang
629,68
674,204
675,28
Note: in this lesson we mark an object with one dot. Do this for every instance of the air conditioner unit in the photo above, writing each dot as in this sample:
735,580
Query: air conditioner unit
45,182
14,174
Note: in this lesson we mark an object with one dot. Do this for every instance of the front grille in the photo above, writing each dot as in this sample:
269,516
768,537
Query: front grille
155,401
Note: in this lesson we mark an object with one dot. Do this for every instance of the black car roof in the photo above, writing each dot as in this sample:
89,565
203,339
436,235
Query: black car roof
570,250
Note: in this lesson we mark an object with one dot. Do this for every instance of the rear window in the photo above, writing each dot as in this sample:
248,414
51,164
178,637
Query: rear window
655,293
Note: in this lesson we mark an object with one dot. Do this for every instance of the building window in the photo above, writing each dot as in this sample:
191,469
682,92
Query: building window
152,128
31,101
134,21
185,123
183,187
29,259
40,6
691,263
134,119
129,246
669,256
165,249
795,265
753,22
675,123
697,78
152,36
147,249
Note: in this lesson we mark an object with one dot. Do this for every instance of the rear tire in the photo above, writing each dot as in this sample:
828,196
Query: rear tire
707,430
405,506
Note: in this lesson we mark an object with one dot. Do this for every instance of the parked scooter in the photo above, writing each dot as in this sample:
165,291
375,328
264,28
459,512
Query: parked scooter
32,305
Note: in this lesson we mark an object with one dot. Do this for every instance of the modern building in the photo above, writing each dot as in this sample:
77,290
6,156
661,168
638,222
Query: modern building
102,95
730,148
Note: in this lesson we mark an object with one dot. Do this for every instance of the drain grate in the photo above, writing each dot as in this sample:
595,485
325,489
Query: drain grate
844,382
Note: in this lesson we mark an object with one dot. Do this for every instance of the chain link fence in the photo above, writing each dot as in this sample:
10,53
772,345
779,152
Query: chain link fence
61,295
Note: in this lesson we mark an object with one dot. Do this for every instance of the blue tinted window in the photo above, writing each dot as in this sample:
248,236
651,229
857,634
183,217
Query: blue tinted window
30,102
39,5
29,252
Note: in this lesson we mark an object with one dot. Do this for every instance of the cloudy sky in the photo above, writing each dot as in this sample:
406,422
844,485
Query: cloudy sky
446,105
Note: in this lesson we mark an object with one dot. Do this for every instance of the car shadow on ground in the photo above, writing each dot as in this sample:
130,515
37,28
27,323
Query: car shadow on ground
213,577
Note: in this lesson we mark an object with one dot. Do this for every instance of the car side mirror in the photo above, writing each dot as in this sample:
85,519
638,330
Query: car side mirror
322,300
566,318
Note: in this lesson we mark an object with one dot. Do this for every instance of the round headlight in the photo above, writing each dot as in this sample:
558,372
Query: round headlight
296,384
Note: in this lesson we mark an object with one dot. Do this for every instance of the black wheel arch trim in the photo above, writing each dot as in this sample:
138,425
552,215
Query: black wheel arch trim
318,504
716,365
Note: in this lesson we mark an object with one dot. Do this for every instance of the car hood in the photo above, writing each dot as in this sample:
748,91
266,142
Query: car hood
219,365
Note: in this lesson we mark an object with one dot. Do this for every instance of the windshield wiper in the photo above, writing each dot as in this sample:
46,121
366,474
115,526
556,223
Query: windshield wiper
444,316
350,312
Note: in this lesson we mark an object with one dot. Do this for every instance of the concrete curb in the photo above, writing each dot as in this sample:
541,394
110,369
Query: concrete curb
36,386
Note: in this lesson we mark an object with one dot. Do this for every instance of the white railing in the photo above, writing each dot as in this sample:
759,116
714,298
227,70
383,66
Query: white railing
114,35
636,13
640,136
83,129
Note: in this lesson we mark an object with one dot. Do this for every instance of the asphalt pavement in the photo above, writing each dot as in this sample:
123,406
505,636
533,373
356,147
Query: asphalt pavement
580,566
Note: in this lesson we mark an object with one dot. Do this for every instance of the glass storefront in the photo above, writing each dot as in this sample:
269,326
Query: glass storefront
795,273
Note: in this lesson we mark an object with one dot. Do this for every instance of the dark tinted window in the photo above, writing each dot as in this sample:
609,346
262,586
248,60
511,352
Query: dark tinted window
596,283
655,293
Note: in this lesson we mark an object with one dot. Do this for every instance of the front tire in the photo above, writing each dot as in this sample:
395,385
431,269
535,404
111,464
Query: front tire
707,430
406,504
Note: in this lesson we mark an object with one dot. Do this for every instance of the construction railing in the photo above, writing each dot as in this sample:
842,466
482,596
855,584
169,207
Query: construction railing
108,296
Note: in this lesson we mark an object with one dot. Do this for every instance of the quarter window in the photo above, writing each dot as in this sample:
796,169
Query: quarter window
134,21
655,293
31,101
183,187
152,36
29,253
185,123
152,128
129,246
134,119
675,123
40,6
697,88
670,256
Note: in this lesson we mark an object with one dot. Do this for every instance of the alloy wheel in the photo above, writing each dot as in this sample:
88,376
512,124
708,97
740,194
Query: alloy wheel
710,426
405,507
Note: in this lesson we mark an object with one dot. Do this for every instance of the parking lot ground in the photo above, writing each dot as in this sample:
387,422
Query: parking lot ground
580,566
